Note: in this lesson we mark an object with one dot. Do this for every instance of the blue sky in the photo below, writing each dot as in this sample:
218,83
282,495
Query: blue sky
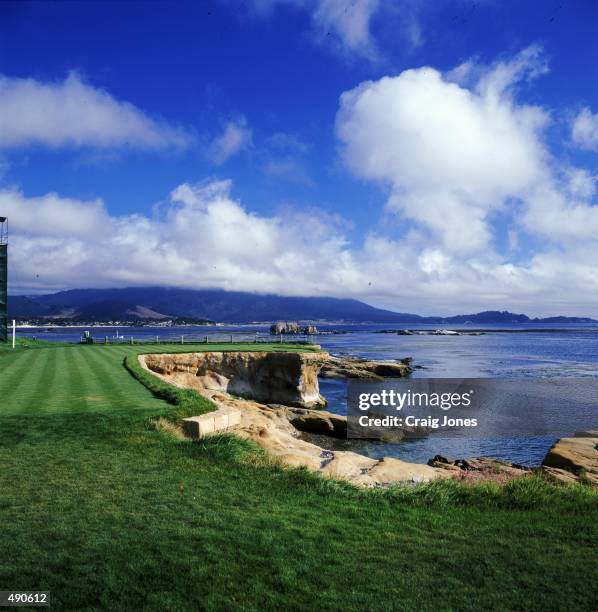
422,156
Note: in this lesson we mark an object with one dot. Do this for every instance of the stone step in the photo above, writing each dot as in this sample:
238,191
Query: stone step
218,421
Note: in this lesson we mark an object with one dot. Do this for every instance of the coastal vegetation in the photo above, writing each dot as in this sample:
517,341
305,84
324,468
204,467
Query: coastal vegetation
107,510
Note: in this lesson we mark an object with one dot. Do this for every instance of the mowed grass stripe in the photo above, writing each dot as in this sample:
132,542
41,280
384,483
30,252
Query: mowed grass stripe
104,373
10,362
13,387
77,383
83,378
117,385
36,389
117,352
41,392
88,387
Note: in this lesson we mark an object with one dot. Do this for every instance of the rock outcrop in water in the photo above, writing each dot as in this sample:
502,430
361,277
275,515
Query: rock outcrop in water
479,469
574,459
570,460
318,422
285,327
356,367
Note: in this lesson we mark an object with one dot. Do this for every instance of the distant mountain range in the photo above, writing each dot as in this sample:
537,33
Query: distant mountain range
156,303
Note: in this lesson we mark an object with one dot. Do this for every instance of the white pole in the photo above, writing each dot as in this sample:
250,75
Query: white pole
14,333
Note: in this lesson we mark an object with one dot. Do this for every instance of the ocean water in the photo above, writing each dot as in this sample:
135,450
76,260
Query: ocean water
501,351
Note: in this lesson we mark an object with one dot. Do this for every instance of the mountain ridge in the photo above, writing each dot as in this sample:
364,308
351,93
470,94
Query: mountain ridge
156,303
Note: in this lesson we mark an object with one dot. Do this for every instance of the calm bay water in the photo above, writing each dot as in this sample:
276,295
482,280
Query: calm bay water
502,351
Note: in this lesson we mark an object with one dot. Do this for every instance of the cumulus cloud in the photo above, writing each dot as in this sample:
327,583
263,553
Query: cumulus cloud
52,215
451,155
235,137
463,160
59,243
561,214
584,130
456,151
73,113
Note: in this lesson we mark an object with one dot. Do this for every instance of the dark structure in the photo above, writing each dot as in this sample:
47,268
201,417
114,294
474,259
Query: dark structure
3,278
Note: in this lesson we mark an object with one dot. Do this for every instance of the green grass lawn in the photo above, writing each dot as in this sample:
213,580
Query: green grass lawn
107,512
40,378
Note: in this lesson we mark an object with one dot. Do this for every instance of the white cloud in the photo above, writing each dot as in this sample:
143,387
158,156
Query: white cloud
497,81
580,183
343,22
454,156
61,243
350,21
71,243
455,151
235,137
52,215
584,130
450,155
74,113
556,212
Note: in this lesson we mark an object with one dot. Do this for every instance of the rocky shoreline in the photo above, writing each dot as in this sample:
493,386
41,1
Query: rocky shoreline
366,369
273,399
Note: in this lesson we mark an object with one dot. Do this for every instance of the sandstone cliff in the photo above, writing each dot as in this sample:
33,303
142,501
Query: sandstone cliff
272,378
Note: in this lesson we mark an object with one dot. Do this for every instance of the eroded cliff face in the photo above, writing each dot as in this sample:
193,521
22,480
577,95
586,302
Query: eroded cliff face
267,377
